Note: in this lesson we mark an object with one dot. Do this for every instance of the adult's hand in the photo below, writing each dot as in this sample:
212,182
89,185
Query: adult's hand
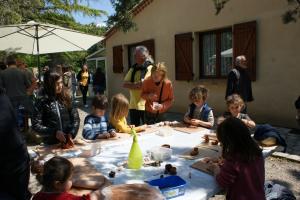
139,84
158,106
28,93
61,136
151,96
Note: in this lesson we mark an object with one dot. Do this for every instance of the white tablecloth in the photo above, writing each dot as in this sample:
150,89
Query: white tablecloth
200,186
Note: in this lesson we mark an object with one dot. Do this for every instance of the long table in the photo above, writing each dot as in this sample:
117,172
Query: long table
200,186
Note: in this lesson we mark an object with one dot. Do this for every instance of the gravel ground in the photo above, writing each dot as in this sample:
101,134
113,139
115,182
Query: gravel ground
278,170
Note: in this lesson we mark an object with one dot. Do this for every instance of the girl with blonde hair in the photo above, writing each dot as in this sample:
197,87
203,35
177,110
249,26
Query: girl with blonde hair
118,114
157,90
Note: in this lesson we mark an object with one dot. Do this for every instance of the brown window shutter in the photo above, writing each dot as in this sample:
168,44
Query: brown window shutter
118,59
244,43
184,57
149,44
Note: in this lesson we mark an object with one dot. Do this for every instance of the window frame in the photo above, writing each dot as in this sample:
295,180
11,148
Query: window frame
129,53
218,53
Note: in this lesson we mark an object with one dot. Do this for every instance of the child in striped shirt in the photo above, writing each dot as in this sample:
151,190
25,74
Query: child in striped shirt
96,125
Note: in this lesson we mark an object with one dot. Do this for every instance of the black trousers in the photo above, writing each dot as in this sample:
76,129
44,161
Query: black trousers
84,90
136,116
151,117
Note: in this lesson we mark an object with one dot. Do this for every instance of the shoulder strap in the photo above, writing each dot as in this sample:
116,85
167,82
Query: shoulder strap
162,87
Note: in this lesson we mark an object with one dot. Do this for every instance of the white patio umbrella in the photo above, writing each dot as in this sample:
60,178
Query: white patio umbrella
40,38
227,53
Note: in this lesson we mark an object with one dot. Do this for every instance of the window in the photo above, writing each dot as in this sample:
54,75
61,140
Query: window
131,50
216,53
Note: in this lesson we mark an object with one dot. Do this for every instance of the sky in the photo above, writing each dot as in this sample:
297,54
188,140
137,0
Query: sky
100,5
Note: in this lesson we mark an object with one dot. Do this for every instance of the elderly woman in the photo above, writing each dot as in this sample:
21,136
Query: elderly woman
157,90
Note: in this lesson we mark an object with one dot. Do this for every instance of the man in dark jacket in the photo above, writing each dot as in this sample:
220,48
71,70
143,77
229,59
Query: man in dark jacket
14,167
239,83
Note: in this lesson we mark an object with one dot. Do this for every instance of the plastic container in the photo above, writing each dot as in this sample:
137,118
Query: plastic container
91,150
165,131
171,186
160,153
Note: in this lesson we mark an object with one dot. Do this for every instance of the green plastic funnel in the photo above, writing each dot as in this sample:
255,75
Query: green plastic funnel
135,158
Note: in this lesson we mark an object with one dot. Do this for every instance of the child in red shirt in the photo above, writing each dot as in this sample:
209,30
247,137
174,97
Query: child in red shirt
243,172
56,177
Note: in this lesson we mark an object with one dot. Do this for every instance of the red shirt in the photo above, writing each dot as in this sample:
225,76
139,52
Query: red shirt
244,181
59,196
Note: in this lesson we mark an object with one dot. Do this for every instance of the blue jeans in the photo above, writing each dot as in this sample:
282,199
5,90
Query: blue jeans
99,89
25,102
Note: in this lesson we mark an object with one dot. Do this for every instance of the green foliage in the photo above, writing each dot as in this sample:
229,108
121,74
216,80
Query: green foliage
56,12
122,15
291,15
219,4
32,60
288,17
126,23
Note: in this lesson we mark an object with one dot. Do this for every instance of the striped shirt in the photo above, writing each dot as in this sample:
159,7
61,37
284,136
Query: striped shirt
94,126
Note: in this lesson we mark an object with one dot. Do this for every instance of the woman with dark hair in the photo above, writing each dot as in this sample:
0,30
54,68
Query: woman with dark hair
55,116
98,83
84,79
67,77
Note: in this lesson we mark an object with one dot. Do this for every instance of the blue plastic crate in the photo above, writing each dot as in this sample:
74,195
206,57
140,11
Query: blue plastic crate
174,186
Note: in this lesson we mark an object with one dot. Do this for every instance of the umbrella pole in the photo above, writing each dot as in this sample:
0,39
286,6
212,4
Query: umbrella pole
37,48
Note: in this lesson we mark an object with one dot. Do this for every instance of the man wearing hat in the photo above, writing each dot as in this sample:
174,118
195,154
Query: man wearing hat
16,82
21,65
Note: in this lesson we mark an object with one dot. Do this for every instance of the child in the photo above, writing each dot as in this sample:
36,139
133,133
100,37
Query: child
199,113
243,172
235,104
118,114
56,177
96,125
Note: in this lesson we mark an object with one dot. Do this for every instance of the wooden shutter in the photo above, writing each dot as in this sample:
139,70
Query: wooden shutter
244,43
118,59
150,46
184,57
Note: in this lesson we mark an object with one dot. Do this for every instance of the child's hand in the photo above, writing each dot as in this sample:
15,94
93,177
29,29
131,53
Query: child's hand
61,136
113,134
131,126
195,122
187,119
143,127
105,135
70,141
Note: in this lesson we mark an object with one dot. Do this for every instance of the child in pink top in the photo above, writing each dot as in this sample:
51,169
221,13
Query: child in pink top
56,177
243,172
